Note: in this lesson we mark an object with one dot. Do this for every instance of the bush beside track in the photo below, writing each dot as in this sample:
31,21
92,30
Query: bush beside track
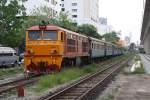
69,74
5,73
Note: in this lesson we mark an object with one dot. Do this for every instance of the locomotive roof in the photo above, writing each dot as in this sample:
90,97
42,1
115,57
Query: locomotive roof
7,50
48,27
54,27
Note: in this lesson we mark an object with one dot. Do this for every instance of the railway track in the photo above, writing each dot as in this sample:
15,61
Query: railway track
22,81
89,87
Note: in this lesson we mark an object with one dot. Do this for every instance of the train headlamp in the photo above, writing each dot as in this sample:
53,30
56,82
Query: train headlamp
30,51
53,51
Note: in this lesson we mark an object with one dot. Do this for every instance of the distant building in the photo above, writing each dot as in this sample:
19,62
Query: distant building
127,40
103,26
103,21
53,5
82,11
121,43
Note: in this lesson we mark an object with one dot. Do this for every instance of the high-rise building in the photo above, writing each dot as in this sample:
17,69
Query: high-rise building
53,5
82,11
103,26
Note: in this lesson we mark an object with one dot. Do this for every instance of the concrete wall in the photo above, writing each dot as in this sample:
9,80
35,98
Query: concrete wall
146,38
147,42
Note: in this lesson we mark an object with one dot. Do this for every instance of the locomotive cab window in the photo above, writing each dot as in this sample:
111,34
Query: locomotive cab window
35,35
50,35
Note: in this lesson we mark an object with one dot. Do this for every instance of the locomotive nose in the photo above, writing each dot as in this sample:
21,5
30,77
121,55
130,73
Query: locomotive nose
43,58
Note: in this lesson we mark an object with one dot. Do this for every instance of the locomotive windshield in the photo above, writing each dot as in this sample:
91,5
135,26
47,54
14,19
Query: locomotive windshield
35,35
50,35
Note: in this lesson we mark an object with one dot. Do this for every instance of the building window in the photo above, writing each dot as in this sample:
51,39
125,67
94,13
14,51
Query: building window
62,0
53,2
47,0
74,16
74,10
62,9
62,5
74,4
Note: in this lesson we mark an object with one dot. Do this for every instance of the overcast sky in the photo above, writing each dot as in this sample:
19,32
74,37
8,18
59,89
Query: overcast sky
124,15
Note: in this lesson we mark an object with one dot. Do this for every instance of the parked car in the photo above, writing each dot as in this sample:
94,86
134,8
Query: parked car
8,57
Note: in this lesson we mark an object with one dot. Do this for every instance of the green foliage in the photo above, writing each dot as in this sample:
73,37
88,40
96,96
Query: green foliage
58,78
10,23
64,21
112,37
88,30
10,71
46,14
69,74
139,70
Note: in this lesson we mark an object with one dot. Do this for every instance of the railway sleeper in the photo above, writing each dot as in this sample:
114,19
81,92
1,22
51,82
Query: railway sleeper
66,97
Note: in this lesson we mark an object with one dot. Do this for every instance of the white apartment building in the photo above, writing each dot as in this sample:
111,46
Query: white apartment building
82,11
103,26
53,5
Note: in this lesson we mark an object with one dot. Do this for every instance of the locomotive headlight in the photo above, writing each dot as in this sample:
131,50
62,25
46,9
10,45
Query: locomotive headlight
30,51
53,51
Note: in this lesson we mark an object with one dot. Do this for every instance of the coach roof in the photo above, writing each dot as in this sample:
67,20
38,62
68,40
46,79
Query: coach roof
7,50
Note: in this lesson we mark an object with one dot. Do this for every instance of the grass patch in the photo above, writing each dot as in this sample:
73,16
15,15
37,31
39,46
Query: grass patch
67,75
111,95
136,66
10,71
139,70
62,77
58,78
137,58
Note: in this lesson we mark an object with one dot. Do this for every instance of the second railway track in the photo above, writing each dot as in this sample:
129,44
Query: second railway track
22,81
87,88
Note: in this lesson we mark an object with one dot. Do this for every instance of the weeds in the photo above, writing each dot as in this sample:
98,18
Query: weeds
58,78
10,71
139,70
67,75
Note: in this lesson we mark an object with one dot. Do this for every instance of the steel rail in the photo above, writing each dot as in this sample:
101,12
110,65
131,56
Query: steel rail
22,81
75,92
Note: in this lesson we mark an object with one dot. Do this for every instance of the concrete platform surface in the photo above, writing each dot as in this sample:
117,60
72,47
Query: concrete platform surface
146,62
134,87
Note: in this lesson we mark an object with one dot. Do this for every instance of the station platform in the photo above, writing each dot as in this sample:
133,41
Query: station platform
146,62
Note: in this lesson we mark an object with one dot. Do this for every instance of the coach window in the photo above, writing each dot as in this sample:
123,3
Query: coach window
62,36
50,35
35,35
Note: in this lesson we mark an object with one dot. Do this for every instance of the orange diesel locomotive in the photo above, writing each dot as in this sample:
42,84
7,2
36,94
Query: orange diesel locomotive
48,46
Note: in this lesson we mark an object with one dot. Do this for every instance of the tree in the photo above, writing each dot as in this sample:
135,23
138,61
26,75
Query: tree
45,13
10,22
112,37
88,30
64,21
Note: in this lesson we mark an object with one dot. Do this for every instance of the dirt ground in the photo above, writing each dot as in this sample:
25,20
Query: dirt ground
128,87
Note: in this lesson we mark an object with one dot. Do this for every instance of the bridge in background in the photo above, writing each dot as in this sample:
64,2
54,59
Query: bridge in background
145,33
